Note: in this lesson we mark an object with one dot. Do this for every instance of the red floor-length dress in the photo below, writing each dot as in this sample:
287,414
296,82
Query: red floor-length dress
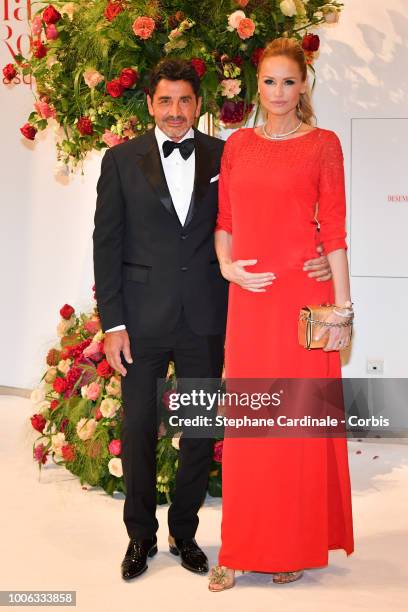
286,501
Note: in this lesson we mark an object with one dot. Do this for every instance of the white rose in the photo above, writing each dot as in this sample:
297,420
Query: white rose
64,365
288,8
109,407
84,390
57,442
115,467
37,395
47,431
86,428
235,18
175,442
64,325
331,16
43,407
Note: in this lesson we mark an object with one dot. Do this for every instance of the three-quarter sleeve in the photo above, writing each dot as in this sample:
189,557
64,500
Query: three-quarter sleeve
224,217
332,197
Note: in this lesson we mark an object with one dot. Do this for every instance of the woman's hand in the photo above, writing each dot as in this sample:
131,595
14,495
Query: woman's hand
235,272
338,337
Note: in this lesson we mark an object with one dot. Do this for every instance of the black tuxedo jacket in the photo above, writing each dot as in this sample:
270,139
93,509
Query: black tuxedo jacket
147,265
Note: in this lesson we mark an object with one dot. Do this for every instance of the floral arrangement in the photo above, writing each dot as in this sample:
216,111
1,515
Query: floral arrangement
78,413
91,60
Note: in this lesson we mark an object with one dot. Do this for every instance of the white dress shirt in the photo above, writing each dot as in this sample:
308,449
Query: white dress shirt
179,175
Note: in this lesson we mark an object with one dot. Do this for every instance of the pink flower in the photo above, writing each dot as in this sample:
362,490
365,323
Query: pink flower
242,3
167,398
143,27
246,28
44,110
230,87
40,454
92,77
235,18
218,446
115,447
93,390
331,16
111,139
94,351
93,326
36,25
51,32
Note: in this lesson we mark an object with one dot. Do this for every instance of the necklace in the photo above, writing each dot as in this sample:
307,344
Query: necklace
279,136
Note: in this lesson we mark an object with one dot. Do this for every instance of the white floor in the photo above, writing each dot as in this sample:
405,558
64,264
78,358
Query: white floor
56,535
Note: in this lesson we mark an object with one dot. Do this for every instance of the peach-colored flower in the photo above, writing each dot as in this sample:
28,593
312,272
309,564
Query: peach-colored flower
175,34
68,9
64,325
92,391
111,139
64,365
331,16
86,428
57,442
115,467
246,28
114,387
235,18
92,77
175,441
50,375
143,27
109,407
36,25
37,395
230,87
44,110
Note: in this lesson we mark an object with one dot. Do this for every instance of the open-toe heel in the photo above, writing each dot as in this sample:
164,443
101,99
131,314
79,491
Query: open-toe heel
220,579
286,577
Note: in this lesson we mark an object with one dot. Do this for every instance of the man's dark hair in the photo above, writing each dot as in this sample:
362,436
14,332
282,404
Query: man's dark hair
174,70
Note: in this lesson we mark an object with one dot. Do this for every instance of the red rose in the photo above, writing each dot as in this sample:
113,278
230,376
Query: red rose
39,50
9,72
218,446
29,131
59,385
112,10
199,66
128,77
311,42
235,112
53,357
85,127
68,452
115,88
256,56
64,424
51,15
38,422
237,60
67,311
54,404
104,369
98,414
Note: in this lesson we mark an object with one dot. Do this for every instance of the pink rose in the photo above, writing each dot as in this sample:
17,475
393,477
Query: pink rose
143,27
51,32
44,110
93,326
36,25
235,18
114,447
111,139
230,87
246,28
93,390
92,77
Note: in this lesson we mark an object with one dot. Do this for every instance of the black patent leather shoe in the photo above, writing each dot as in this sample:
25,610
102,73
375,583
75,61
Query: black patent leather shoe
135,560
192,557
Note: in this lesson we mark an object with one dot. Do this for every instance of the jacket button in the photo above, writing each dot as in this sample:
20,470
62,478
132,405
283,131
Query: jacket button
183,236
184,268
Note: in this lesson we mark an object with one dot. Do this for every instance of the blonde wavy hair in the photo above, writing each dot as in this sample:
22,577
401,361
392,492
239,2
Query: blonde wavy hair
289,47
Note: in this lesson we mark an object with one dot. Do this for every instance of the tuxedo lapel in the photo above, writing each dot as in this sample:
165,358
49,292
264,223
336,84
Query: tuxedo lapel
151,166
203,171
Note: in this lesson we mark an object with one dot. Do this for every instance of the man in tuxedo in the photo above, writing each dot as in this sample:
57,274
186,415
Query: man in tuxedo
161,297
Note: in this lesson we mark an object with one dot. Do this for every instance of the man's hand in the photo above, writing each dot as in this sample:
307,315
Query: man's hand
115,343
251,281
318,268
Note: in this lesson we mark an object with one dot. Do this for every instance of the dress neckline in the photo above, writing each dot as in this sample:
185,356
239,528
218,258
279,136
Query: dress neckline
316,129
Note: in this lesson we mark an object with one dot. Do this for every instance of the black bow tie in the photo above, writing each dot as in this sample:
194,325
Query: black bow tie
186,147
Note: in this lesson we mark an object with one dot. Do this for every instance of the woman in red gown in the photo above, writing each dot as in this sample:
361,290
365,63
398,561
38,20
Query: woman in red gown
286,501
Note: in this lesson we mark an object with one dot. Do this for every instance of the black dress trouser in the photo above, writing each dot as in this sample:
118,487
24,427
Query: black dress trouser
194,357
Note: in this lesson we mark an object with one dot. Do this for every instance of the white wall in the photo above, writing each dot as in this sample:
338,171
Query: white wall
46,246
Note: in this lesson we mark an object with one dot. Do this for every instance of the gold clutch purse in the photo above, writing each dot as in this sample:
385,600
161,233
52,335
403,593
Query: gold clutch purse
311,319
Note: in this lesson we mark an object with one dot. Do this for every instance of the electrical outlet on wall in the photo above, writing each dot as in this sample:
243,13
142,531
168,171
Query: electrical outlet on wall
375,366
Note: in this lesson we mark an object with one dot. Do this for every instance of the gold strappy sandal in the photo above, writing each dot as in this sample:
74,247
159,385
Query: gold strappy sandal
220,579
285,577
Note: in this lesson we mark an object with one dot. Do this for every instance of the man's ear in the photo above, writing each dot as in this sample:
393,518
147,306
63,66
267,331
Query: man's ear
149,105
198,109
